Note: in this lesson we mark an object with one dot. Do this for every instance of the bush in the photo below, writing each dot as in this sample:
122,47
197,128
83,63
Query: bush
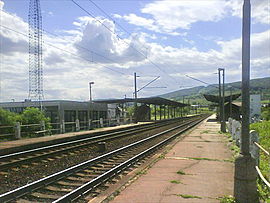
8,118
266,113
29,116
34,116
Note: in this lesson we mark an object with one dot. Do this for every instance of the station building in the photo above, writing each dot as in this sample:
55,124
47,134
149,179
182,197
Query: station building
62,110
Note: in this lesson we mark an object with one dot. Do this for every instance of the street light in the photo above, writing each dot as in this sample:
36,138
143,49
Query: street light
90,90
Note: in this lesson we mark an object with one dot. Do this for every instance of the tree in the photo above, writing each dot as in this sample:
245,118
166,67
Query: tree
8,118
7,121
33,115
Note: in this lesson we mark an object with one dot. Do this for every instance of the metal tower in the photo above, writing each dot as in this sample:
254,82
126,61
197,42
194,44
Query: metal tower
35,51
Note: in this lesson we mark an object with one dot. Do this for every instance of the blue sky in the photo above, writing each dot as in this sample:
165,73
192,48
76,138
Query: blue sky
179,37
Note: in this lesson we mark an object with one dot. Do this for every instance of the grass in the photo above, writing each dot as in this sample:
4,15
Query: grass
207,159
140,172
181,172
175,181
205,132
227,199
188,196
263,128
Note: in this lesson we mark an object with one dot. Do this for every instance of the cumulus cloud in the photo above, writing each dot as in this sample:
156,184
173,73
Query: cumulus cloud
102,38
67,74
8,46
260,10
169,16
11,42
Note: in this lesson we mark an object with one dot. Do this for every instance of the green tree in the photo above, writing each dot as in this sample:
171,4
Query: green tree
8,118
34,116
7,121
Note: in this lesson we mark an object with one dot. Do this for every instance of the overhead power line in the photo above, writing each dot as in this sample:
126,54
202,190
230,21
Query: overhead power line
67,51
79,46
115,22
200,81
154,64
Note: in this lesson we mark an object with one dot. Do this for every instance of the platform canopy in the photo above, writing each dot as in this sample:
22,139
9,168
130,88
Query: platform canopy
147,100
215,99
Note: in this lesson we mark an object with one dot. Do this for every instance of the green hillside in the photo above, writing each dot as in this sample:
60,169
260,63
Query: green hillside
195,94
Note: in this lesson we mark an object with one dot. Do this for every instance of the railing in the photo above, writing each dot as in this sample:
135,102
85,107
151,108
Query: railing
235,130
19,130
257,167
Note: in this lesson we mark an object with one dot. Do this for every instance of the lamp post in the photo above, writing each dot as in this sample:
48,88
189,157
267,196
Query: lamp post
245,185
90,90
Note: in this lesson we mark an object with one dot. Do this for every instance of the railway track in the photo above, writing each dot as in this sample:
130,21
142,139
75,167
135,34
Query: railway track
89,176
28,156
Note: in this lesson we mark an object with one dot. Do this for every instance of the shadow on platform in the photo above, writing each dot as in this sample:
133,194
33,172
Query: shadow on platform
212,120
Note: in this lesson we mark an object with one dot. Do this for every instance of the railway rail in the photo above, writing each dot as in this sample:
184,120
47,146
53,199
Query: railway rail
89,176
41,153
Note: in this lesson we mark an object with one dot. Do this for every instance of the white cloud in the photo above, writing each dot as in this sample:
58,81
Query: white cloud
66,76
171,15
2,5
260,10
168,16
102,40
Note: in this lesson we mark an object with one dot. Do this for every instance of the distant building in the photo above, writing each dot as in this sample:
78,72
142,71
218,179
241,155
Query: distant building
62,110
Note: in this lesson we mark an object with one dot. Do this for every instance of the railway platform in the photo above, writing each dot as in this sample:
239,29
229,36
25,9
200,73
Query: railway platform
7,147
198,168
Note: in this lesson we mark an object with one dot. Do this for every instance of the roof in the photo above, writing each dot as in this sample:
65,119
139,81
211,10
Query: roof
148,100
215,99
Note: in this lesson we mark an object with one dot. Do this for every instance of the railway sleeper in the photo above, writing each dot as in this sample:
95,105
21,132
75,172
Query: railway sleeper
40,197
57,189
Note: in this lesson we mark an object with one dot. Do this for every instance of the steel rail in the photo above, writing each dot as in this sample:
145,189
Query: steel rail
116,170
11,195
94,139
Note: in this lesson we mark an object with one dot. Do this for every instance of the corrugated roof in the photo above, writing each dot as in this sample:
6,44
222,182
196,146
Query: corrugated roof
147,100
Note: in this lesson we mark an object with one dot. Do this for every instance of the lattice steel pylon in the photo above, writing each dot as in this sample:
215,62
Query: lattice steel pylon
35,51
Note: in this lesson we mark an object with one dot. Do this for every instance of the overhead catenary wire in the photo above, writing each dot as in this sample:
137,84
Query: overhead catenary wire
113,32
67,51
201,81
115,22
79,46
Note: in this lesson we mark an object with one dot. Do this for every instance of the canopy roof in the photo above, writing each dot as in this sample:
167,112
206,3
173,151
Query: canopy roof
215,99
148,100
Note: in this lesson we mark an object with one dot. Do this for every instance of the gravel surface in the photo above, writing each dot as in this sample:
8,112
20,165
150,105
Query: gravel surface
25,174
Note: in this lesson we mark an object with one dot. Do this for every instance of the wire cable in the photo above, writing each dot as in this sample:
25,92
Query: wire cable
67,51
155,65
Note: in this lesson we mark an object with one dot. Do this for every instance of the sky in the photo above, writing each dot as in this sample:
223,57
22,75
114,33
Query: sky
106,41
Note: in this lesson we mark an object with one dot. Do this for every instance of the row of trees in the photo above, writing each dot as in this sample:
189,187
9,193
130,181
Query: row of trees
29,116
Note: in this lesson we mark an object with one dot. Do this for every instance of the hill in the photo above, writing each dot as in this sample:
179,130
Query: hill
195,94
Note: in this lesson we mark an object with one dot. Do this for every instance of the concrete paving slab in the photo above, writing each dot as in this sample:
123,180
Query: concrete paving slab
204,176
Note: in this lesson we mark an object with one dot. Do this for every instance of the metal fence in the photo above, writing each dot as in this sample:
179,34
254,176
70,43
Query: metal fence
18,130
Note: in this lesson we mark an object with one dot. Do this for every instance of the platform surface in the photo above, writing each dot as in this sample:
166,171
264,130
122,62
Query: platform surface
205,169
